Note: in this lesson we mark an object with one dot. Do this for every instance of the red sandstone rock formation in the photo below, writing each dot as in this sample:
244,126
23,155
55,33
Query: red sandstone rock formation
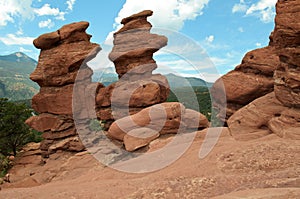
140,93
277,112
287,42
250,80
160,119
132,55
63,53
264,116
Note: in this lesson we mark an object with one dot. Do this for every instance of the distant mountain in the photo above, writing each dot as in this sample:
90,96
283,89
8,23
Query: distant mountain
176,81
107,76
15,70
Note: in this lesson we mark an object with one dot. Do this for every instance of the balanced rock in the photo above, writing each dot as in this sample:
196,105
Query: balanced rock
62,63
134,45
135,105
132,55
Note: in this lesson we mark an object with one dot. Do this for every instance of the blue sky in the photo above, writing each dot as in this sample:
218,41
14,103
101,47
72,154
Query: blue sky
220,31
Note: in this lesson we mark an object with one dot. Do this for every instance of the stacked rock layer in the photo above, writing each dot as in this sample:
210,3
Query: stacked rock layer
136,103
277,112
132,55
63,53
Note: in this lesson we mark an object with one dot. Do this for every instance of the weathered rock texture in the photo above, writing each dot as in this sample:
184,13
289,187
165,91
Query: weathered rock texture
250,80
132,55
135,102
160,119
287,42
277,112
63,53
264,116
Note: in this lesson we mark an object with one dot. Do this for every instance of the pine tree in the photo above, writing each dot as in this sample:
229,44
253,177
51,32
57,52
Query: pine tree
14,133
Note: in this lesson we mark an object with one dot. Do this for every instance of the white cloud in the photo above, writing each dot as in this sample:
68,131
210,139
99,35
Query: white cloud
172,16
21,49
263,9
46,10
46,24
70,4
240,7
241,29
61,16
219,61
258,44
13,8
12,39
210,39
186,69
20,31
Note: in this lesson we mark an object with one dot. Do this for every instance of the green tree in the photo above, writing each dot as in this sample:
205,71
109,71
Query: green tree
14,133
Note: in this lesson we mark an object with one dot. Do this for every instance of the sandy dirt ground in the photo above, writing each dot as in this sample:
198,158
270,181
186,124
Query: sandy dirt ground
265,168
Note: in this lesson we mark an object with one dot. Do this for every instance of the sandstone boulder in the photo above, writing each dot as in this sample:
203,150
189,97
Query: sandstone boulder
47,40
140,129
195,120
138,138
164,118
264,116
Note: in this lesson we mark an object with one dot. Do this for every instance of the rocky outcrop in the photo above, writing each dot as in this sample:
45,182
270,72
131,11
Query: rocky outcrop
264,116
287,42
132,55
250,80
134,46
160,119
134,106
277,112
63,53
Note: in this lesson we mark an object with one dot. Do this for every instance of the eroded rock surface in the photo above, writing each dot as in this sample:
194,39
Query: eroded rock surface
277,112
63,53
132,55
250,80
264,116
135,105
160,119
287,42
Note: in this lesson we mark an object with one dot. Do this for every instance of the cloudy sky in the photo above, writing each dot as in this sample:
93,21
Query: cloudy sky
202,33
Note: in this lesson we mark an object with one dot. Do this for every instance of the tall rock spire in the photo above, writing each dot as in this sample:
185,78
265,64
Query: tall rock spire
63,53
132,55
